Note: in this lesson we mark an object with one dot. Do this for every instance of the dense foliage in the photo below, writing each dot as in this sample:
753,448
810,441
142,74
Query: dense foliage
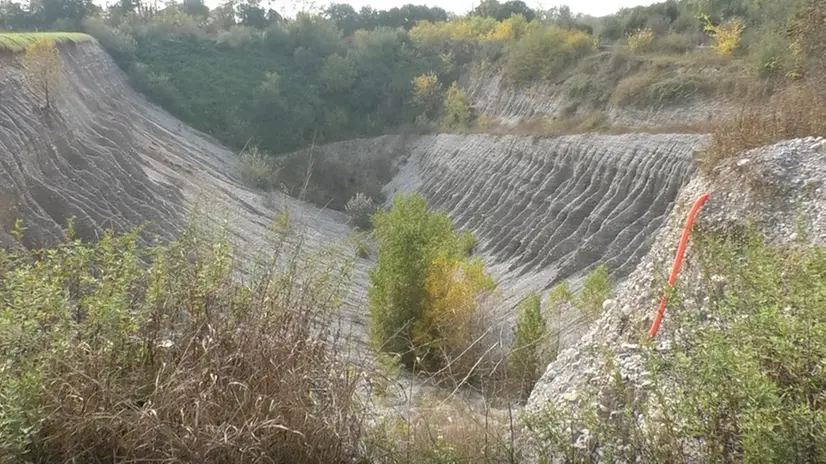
248,75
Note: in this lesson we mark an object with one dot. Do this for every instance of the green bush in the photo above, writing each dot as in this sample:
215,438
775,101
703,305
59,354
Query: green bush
239,36
409,237
108,350
119,44
596,288
425,293
543,54
530,352
457,109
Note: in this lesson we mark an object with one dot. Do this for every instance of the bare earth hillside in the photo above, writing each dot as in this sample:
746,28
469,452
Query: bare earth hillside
544,209
109,158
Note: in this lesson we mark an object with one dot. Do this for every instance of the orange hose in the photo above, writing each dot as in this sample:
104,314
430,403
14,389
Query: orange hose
678,261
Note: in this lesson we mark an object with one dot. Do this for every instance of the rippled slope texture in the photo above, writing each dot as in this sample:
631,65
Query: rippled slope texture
76,160
112,160
556,206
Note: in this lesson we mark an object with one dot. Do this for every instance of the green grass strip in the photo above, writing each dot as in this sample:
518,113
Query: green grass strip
18,41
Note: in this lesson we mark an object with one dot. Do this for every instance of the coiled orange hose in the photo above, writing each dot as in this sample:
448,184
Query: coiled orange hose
678,261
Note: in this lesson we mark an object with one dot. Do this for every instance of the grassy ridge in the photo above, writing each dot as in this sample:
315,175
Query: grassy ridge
17,42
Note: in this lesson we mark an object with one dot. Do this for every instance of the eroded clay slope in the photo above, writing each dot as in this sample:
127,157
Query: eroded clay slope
111,159
551,209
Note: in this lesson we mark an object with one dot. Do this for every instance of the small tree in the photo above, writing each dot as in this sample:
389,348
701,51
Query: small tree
457,109
527,357
43,67
360,207
410,238
727,35
427,94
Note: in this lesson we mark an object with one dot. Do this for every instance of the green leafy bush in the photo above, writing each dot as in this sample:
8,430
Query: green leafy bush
543,54
424,298
409,237
457,109
530,352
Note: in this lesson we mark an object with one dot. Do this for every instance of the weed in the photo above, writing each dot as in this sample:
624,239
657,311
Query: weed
798,111
16,42
258,169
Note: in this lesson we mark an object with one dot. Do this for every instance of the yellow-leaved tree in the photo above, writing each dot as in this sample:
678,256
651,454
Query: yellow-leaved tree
43,67
727,35
427,94
447,328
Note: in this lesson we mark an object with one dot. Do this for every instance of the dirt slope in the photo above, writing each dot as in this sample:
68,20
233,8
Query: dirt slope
113,160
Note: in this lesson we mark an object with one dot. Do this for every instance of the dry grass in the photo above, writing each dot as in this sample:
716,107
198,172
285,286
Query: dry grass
178,362
16,42
798,111
445,430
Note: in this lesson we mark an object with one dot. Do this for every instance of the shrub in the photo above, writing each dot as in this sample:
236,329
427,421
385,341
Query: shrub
596,288
258,169
110,350
43,68
118,43
529,353
239,36
655,88
448,330
543,54
155,85
727,35
425,296
409,237
675,43
513,28
640,40
457,109
427,94
799,111
467,243
360,208
772,55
